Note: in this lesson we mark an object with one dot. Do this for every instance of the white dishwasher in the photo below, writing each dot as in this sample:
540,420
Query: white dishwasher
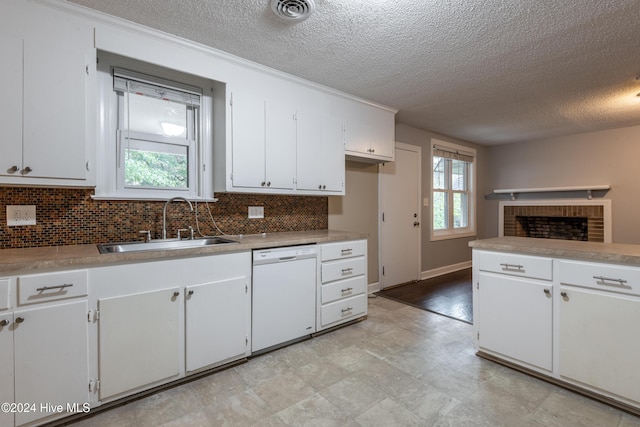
284,295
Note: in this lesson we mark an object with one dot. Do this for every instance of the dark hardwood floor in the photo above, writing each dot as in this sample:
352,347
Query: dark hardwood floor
449,295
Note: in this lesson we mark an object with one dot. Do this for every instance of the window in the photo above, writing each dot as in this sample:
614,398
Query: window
453,181
156,136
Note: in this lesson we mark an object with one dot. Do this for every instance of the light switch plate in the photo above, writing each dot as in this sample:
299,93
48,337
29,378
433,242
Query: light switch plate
256,211
425,202
21,215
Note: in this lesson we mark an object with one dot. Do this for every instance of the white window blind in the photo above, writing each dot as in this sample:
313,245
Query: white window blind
126,81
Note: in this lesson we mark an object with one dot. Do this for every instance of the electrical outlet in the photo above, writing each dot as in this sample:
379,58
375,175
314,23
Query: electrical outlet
256,211
21,215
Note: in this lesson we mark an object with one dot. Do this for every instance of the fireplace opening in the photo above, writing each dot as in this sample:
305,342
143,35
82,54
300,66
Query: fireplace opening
550,227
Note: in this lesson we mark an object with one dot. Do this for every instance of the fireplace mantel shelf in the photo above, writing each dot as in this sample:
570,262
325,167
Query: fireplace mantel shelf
588,188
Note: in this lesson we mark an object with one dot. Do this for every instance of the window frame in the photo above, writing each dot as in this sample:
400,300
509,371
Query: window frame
110,150
452,232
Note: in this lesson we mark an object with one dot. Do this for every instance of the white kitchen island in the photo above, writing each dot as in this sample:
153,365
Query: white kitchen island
564,311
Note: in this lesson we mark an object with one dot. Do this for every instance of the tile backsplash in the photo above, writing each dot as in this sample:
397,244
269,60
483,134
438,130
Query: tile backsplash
72,217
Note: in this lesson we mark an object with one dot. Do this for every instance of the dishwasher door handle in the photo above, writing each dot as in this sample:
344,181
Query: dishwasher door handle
287,258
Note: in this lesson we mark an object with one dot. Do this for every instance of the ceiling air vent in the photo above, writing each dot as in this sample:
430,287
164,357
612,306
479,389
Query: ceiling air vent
293,10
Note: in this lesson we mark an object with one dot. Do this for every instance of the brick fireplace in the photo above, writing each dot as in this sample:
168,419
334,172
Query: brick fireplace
585,220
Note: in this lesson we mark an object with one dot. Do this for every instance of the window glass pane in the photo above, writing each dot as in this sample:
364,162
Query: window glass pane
460,210
440,217
156,165
459,173
155,116
439,170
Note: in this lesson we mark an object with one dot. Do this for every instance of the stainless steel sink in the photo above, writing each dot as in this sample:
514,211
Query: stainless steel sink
160,245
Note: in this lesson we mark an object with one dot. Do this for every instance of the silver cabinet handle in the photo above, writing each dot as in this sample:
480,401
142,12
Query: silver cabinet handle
19,319
347,270
547,291
60,287
263,183
506,266
346,310
347,251
13,169
563,294
4,322
268,183
26,170
347,290
190,292
603,279
176,294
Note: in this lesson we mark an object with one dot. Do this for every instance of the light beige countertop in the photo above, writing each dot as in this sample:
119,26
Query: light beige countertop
588,251
33,260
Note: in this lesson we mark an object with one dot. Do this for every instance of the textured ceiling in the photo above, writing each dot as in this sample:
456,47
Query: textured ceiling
486,71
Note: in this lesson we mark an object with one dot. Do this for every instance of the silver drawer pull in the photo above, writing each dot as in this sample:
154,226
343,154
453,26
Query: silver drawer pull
59,287
346,251
603,279
506,266
346,310
347,270
347,290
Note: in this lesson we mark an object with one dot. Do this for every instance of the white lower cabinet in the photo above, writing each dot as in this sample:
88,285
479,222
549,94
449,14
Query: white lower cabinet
6,367
43,347
216,321
599,343
159,321
577,327
515,318
139,340
59,374
342,293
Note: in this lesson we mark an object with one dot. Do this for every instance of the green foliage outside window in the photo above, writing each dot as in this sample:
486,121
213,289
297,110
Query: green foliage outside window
153,169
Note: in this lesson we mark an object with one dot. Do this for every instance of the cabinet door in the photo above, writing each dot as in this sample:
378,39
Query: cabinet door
58,375
58,56
11,108
248,145
599,345
515,319
280,150
320,152
6,366
216,321
139,340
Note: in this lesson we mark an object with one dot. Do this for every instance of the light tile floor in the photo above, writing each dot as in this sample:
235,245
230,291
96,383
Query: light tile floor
400,367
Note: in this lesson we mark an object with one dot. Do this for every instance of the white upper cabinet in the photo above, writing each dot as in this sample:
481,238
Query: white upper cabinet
369,133
48,67
263,143
320,161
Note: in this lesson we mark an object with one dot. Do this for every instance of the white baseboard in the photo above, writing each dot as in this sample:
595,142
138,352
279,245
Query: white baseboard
373,287
444,270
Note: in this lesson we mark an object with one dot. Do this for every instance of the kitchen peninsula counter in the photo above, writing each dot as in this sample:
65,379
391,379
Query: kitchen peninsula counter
33,260
586,251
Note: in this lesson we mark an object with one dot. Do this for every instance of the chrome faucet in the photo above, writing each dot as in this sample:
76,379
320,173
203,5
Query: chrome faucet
164,213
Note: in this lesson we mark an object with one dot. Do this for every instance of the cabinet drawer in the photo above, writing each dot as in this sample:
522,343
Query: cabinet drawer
333,251
605,277
344,310
4,293
51,286
516,265
343,269
343,289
